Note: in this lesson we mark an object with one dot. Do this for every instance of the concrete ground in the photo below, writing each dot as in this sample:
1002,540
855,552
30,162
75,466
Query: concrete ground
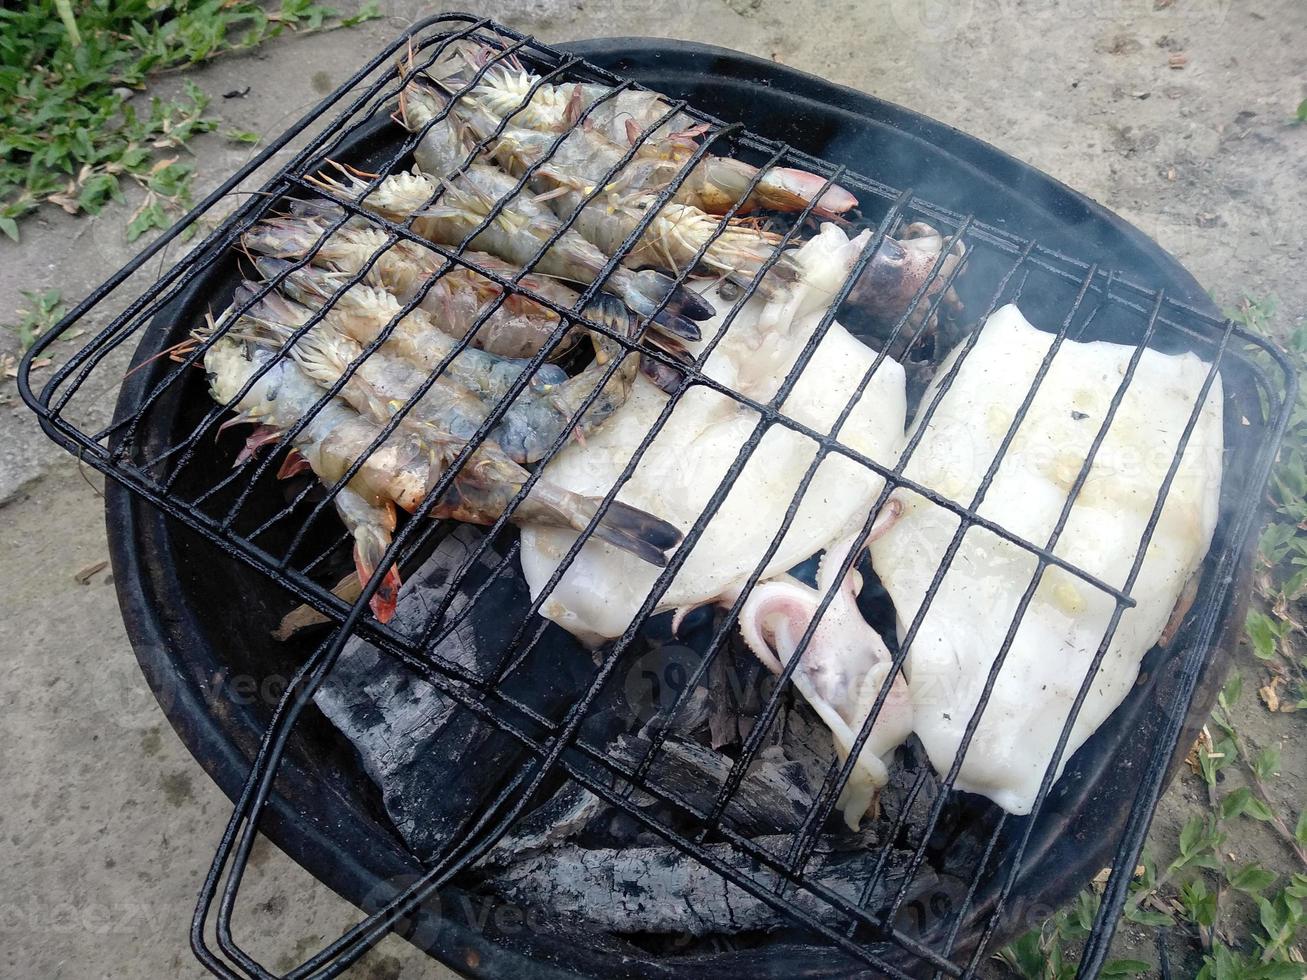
1175,113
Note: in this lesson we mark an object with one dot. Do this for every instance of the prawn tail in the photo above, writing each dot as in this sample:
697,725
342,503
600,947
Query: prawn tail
788,189
648,290
623,526
370,543
612,313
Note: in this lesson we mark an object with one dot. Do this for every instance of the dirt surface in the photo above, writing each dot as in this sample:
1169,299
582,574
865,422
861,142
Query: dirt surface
1175,114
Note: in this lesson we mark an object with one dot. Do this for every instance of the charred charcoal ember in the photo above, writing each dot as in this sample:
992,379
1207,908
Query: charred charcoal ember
738,686
807,742
902,795
658,889
435,761
560,818
691,720
773,796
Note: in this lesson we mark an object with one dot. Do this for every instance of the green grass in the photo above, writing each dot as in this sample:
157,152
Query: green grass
70,137
1246,921
1275,624
42,312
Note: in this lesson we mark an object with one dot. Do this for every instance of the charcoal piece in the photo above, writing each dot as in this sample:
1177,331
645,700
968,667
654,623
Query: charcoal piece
896,798
773,796
738,686
658,889
807,742
558,819
688,721
435,761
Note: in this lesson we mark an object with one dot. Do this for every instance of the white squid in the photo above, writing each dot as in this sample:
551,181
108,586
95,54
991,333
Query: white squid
1061,630
844,666
601,591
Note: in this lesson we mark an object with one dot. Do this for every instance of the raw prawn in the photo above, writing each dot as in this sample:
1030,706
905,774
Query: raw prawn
363,312
384,380
518,327
520,229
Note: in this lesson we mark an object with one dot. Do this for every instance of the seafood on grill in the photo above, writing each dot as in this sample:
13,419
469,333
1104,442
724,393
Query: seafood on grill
964,626
457,295
566,175
506,90
268,388
600,592
364,313
844,665
450,203
901,267
385,380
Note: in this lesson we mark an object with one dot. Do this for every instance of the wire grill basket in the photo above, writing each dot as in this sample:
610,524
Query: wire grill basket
294,542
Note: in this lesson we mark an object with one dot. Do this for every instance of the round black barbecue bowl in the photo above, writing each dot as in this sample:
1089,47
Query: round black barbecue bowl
200,620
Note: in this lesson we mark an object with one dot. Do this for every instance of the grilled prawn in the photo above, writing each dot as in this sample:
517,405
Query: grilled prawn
402,470
363,312
450,209
716,184
458,297
565,176
385,380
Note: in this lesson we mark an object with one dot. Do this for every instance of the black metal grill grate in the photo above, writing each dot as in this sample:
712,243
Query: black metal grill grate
292,543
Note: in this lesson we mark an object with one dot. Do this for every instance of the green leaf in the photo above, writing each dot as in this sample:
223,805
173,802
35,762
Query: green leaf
61,114
1199,903
150,216
1232,689
242,136
1080,916
1149,917
1124,968
1300,831
1025,956
1302,111
1283,970
369,11
1267,763
1235,802
1264,633
1190,835
1251,878
1259,810
1269,916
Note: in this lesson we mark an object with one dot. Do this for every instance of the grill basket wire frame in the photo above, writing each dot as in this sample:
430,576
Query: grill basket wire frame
553,745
